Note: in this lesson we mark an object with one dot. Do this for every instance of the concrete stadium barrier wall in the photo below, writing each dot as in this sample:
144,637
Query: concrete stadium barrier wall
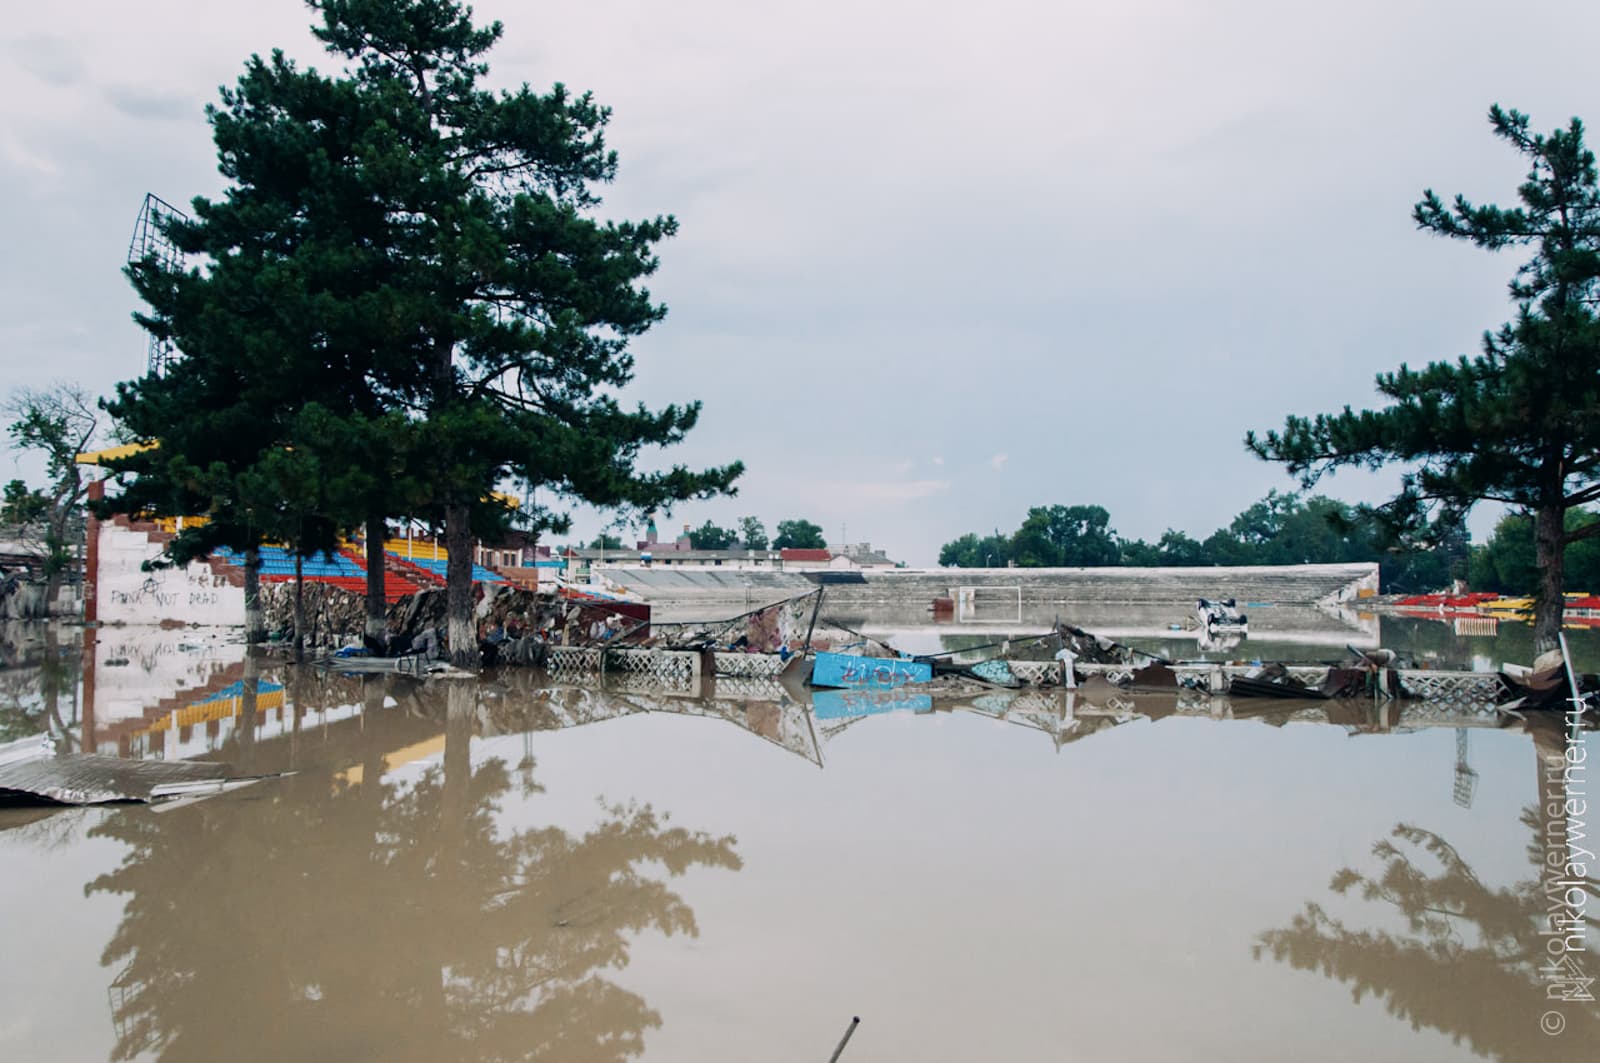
1326,584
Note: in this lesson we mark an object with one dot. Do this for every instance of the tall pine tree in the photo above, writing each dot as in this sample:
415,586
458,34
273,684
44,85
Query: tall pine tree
405,242
1519,423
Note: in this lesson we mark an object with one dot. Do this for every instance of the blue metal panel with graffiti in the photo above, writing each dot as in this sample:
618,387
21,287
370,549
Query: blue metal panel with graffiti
878,673
842,704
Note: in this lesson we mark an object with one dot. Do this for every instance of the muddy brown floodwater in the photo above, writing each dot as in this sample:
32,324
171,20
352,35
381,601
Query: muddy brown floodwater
498,870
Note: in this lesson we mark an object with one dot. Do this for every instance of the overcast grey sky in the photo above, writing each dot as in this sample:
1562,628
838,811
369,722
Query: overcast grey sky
937,263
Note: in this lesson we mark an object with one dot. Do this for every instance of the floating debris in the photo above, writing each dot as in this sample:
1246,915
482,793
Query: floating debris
411,664
996,671
1273,681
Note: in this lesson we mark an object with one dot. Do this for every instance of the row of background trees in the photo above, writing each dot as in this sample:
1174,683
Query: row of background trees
1291,529
55,424
749,534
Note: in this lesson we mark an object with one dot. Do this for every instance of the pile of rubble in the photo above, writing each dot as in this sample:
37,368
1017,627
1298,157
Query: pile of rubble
22,598
497,605
334,615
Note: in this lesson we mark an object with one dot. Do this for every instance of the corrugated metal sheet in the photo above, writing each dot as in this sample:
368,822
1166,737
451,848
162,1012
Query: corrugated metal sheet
78,779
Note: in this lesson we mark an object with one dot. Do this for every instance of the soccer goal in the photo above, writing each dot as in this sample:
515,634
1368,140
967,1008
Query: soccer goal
988,605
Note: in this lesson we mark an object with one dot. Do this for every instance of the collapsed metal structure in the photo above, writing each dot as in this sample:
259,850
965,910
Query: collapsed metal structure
151,242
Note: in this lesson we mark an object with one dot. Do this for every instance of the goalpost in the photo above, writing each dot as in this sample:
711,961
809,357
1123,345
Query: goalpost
998,605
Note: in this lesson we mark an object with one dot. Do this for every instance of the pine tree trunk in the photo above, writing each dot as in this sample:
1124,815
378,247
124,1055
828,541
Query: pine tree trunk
255,616
299,609
458,587
1549,554
377,605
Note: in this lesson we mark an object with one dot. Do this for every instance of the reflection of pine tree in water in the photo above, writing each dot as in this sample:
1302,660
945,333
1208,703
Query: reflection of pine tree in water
1468,965
387,923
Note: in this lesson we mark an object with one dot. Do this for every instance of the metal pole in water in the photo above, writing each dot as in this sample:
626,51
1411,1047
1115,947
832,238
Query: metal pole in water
816,608
854,1022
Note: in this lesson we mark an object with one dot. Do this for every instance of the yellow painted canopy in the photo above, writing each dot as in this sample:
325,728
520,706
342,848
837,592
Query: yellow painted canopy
127,450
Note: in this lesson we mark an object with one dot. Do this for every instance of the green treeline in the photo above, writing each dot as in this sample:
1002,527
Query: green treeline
1507,562
751,534
1284,529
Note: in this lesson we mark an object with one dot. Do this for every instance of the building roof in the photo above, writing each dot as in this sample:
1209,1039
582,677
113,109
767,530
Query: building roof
791,553
873,557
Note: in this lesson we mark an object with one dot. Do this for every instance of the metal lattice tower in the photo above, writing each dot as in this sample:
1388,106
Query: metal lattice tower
1466,779
150,242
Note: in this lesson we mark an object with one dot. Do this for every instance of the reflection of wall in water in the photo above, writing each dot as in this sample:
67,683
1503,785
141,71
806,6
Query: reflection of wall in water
208,723
1439,639
136,674
1289,630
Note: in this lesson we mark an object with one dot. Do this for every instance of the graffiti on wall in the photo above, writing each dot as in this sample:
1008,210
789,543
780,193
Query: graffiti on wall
129,594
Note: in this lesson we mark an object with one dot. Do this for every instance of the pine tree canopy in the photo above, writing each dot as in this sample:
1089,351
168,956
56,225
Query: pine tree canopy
1518,423
425,261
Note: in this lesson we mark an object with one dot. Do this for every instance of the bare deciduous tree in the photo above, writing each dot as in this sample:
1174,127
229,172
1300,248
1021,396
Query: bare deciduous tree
59,423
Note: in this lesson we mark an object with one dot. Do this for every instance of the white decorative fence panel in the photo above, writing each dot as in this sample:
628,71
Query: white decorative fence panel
749,665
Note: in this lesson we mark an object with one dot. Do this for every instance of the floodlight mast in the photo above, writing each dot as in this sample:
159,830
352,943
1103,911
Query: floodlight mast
150,241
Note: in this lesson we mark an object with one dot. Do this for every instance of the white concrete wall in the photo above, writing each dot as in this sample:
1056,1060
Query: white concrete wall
126,594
